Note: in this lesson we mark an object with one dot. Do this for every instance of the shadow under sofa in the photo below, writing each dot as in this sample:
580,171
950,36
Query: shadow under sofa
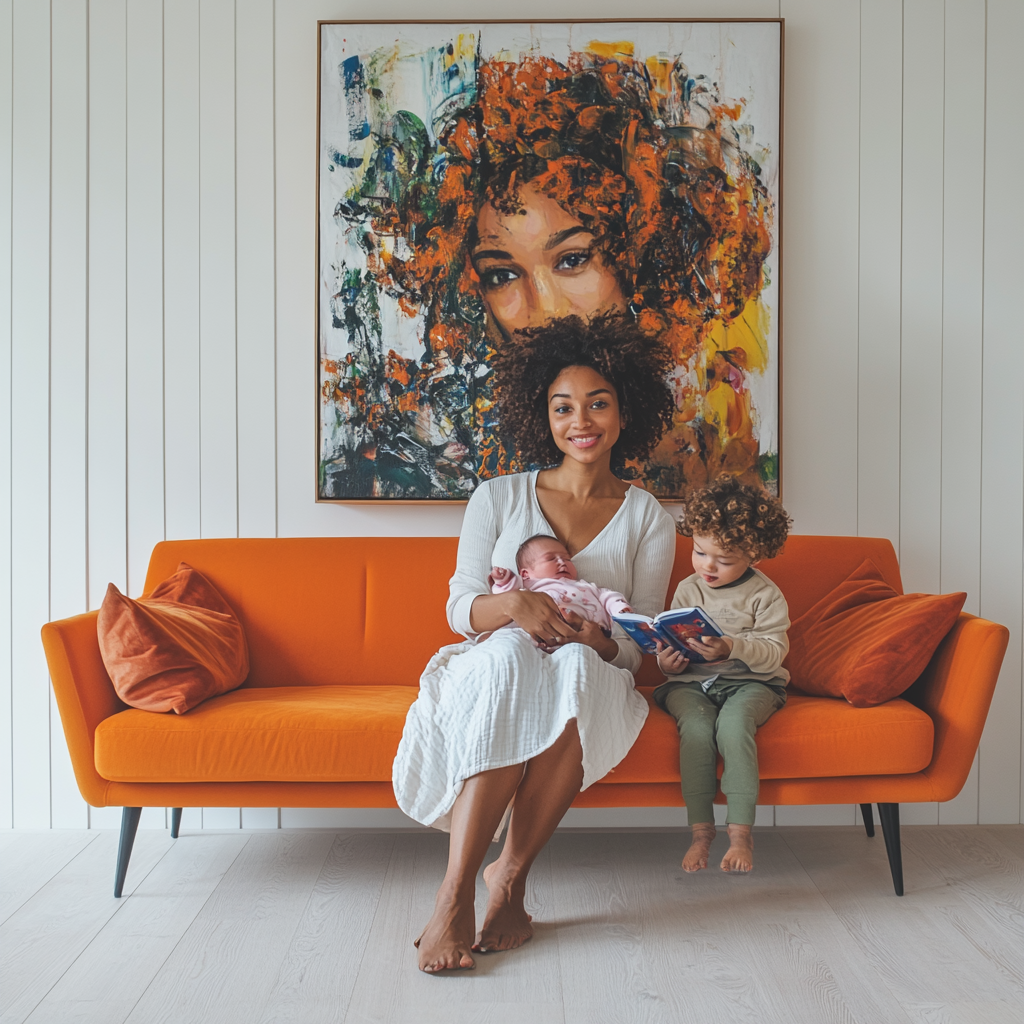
336,649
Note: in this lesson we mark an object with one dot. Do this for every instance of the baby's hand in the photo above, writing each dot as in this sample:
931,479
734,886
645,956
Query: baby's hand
712,648
670,661
499,575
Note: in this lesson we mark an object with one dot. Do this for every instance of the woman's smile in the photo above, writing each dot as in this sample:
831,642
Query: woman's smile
583,414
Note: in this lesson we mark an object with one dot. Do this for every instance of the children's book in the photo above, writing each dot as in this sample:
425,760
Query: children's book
673,628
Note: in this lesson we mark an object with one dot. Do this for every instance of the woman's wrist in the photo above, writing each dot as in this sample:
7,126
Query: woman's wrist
607,648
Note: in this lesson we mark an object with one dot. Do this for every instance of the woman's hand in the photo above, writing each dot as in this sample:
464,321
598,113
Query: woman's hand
670,661
540,617
712,648
588,633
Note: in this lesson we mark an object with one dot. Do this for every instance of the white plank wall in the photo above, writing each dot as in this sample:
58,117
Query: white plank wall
156,321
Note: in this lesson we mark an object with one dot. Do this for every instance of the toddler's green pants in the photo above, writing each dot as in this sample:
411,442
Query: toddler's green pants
723,719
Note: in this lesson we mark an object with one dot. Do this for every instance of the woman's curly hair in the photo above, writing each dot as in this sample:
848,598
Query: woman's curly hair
739,517
612,345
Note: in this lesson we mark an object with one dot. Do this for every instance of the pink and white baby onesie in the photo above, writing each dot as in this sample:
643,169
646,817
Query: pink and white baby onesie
585,599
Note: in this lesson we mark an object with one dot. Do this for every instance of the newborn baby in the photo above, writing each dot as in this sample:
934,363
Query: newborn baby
544,565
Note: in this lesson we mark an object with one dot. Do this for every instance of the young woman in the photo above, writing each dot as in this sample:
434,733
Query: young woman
527,717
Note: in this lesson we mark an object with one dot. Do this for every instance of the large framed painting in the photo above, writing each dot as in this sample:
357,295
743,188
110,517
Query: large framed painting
629,167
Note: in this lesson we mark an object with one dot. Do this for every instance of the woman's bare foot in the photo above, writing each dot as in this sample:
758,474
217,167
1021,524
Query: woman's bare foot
506,922
740,855
697,855
448,937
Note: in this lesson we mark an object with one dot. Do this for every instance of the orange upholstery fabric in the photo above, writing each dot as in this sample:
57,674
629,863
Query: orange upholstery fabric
175,648
275,734
351,734
809,737
320,611
865,642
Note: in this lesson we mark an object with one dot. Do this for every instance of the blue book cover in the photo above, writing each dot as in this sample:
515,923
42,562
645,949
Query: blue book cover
672,628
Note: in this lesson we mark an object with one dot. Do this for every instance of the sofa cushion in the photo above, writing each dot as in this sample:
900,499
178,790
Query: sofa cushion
175,647
865,642
351,734
261,734
811,737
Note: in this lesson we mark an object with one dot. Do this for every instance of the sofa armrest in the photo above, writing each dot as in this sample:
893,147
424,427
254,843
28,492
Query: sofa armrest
956,690
85,695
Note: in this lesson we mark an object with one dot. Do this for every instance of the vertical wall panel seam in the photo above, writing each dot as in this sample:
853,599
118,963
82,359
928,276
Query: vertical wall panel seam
88,228
899,442
127,321
981,407
163,253
860,185
273,121
49,418
238,474
273,138
10,434
199,254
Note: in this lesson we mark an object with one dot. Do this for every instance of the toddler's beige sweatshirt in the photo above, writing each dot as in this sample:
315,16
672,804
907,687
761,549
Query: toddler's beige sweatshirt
752,612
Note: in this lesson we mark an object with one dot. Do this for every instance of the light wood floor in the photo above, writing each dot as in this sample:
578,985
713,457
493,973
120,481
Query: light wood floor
313,927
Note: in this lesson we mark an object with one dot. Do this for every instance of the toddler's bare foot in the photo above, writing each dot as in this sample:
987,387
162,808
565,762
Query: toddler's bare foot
700,843
506,922
740,855
448,937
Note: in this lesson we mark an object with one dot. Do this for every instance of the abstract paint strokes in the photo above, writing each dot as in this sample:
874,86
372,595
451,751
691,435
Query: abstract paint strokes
673,192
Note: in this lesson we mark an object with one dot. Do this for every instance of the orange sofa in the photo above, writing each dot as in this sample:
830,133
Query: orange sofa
336,649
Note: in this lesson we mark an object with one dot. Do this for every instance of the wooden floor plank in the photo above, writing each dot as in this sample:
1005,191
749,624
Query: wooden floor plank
107,980
28,860
224,967
519,985
969,1013
990,882
926,946
45,936
1010,836
651,943
319,972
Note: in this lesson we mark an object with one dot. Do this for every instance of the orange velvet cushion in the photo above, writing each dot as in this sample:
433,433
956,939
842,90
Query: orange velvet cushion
865,642
262,734
351,734
811,737
174,648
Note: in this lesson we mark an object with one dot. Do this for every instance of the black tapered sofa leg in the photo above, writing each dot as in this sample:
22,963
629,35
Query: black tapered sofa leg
869,820
889,818
129,826
175,822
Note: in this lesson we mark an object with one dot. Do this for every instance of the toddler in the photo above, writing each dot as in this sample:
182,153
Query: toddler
719,706
544,565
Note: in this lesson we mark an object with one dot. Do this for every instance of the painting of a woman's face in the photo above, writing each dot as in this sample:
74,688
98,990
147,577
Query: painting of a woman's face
540,263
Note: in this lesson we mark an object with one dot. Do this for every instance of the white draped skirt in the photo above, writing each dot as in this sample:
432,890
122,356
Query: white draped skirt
501,702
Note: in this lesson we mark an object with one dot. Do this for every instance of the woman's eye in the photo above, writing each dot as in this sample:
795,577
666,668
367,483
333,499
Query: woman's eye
561,410
497,277
599,404
573,260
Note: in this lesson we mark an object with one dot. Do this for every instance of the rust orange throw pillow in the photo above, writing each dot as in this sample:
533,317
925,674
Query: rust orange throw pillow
865,642
171,650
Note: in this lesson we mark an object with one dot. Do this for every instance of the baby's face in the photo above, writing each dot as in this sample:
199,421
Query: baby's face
547,560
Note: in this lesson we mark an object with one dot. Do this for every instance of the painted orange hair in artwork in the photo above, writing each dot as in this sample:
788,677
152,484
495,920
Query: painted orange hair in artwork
679,211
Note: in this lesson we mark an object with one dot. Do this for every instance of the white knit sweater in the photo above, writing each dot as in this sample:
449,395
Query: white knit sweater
633,554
